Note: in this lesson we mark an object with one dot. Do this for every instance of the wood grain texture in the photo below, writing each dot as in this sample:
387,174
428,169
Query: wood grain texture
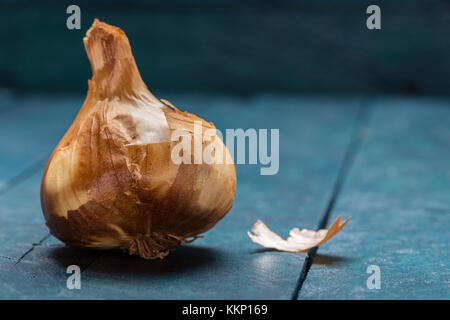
42,273
398,196
30,128
22,222
314,133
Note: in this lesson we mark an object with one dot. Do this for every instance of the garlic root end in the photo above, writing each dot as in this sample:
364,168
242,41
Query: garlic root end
156,245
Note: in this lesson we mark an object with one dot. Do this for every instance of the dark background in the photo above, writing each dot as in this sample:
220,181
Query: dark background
237,46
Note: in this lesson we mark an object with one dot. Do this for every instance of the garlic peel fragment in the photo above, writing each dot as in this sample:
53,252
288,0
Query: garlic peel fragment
298,240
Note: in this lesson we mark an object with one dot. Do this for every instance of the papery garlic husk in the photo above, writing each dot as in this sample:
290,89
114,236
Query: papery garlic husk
298,240
111,183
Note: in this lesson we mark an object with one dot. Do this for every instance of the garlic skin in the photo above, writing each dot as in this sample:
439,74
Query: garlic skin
298,240
111,183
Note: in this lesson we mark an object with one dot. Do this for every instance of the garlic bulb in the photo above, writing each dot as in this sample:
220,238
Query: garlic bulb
111,182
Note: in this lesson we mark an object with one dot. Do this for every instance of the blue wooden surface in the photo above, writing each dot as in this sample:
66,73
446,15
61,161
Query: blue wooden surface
30,128
398,194
314,134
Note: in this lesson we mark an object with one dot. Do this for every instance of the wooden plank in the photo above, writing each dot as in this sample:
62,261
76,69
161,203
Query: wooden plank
30,127
5,99
398,196
8,289
30,131
42,275
225,263
22,219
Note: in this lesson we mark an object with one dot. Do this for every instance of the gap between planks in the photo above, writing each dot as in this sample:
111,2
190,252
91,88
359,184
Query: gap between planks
6,257
32,248
352,149
41,242
357,137
16,180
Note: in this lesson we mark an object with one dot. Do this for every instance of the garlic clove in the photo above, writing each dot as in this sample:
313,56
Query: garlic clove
298,240
111,183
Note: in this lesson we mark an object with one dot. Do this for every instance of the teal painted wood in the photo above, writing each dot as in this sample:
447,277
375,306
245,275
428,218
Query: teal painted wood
30,129
7,287
314,133
43,273
5,99
398,194
22,222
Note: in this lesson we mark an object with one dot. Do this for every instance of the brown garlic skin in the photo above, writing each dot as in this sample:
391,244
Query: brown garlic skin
111,183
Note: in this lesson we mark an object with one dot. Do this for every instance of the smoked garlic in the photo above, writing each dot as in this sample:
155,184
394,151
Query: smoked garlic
111,183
